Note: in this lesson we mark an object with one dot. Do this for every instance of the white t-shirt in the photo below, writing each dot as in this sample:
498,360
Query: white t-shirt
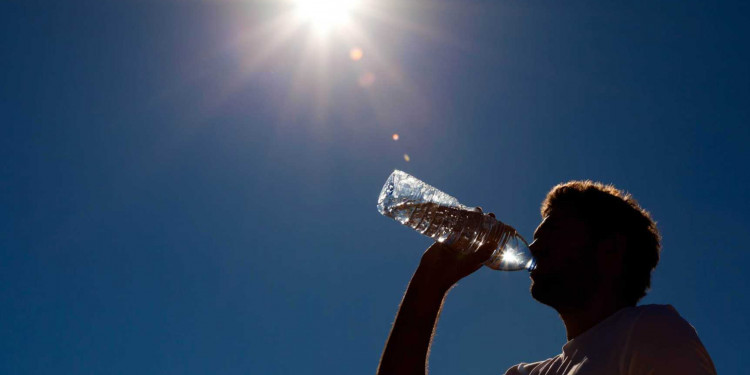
649,339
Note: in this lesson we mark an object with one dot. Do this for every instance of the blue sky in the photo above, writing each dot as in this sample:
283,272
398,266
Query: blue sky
189,187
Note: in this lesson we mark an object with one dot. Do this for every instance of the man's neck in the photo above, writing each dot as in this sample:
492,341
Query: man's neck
580,320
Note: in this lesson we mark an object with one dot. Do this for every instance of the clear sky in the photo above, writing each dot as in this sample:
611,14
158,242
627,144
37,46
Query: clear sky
189,187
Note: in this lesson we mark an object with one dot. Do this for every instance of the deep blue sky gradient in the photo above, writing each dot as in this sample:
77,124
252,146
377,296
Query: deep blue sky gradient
179,198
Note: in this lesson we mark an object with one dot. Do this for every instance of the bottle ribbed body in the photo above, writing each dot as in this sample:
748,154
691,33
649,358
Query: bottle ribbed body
440,216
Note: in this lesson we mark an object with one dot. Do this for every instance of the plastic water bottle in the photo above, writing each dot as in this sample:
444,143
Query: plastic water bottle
440,216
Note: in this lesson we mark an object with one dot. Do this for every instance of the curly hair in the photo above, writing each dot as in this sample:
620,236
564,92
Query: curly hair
608,210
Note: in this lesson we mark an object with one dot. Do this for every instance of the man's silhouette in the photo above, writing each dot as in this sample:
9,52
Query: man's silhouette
595,250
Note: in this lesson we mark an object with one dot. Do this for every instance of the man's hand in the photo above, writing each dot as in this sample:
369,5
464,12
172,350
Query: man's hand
444,265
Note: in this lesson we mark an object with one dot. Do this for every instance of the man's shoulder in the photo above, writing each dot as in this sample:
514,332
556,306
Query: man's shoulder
647,311
662,339
650,338
660,318
527,368
657,310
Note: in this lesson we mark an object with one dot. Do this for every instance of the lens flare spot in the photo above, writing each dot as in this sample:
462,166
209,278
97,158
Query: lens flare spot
356,54
395,137
366,79
407,158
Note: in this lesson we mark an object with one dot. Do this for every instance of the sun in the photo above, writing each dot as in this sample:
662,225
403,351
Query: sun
325,14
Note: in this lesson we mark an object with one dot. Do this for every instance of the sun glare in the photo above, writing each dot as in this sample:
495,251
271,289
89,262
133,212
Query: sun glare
510,256
312,40
325,14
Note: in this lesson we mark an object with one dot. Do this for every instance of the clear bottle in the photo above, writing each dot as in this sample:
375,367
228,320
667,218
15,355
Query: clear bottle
440,216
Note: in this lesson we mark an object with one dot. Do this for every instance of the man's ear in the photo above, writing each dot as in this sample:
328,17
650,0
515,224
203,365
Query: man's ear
611,251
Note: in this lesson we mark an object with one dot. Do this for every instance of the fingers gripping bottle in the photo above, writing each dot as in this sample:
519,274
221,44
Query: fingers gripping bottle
440,216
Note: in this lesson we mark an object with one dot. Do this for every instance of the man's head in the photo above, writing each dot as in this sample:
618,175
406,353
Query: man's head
593,239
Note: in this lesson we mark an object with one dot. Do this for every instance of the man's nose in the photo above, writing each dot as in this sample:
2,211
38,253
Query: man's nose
535,248
532,246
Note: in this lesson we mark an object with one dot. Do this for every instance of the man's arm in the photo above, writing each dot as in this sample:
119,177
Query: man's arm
407,348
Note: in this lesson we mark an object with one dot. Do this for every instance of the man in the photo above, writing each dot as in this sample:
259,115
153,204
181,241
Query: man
595,250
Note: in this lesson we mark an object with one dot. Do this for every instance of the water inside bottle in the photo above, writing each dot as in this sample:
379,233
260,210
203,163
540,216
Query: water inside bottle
454,226
440,216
